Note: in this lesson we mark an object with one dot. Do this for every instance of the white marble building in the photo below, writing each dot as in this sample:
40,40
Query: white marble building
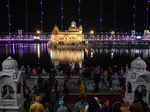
136,78
11,91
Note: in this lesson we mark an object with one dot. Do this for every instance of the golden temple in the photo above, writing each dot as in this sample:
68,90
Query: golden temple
74,35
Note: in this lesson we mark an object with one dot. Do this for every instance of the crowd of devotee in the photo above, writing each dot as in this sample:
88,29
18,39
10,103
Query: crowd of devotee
92,104
105,78
44,96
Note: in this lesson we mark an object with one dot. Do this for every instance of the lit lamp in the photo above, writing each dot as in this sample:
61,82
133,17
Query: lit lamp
112,33
146,32
38,32
91,32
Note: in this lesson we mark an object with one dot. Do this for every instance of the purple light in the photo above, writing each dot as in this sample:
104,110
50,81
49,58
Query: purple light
42,12
41,3
41,21
134,6
9,16
10,24
134,14
62,17
147,9
101,19
79,1
78,9
13,49
134,24
6,5
148,1
138,37
79,20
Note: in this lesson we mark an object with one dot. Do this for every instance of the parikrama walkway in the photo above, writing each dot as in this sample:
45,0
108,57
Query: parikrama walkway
90,41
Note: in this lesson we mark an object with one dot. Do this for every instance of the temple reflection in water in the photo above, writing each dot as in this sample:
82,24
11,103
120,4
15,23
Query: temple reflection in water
67,56
34,54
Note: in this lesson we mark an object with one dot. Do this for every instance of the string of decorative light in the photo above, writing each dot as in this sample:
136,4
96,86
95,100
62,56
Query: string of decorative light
9,19
147,14
134,15
114,13
101,15
26,16
42,15
62,15
79,12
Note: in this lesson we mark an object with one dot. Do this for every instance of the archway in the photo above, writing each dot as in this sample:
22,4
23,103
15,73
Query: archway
7,92
140,92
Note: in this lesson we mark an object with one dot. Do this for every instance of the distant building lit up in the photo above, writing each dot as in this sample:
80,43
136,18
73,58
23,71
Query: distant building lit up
74,35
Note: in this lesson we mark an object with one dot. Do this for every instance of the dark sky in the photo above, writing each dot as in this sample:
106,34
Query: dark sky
91,10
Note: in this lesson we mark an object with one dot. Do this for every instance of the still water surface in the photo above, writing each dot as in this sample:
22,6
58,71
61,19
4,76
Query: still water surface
40,55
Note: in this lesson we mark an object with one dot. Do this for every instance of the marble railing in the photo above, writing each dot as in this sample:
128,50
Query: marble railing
73,83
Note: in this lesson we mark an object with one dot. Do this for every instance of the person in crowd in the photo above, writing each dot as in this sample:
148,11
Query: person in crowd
116,107
50,82
105,79
65,85
81,106
83,93
53,99
123,86
34,72
145,106
47,107
37,107
137,107
27,97
40,84
86,81
106,107
62,107
98,102
77,68
109,78
125,107
93,106
55,84
97,78
68,69
52,72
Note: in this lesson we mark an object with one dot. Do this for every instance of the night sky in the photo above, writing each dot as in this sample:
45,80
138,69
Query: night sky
91,10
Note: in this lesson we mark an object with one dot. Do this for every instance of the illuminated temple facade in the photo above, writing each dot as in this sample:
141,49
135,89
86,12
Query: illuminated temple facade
74,35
